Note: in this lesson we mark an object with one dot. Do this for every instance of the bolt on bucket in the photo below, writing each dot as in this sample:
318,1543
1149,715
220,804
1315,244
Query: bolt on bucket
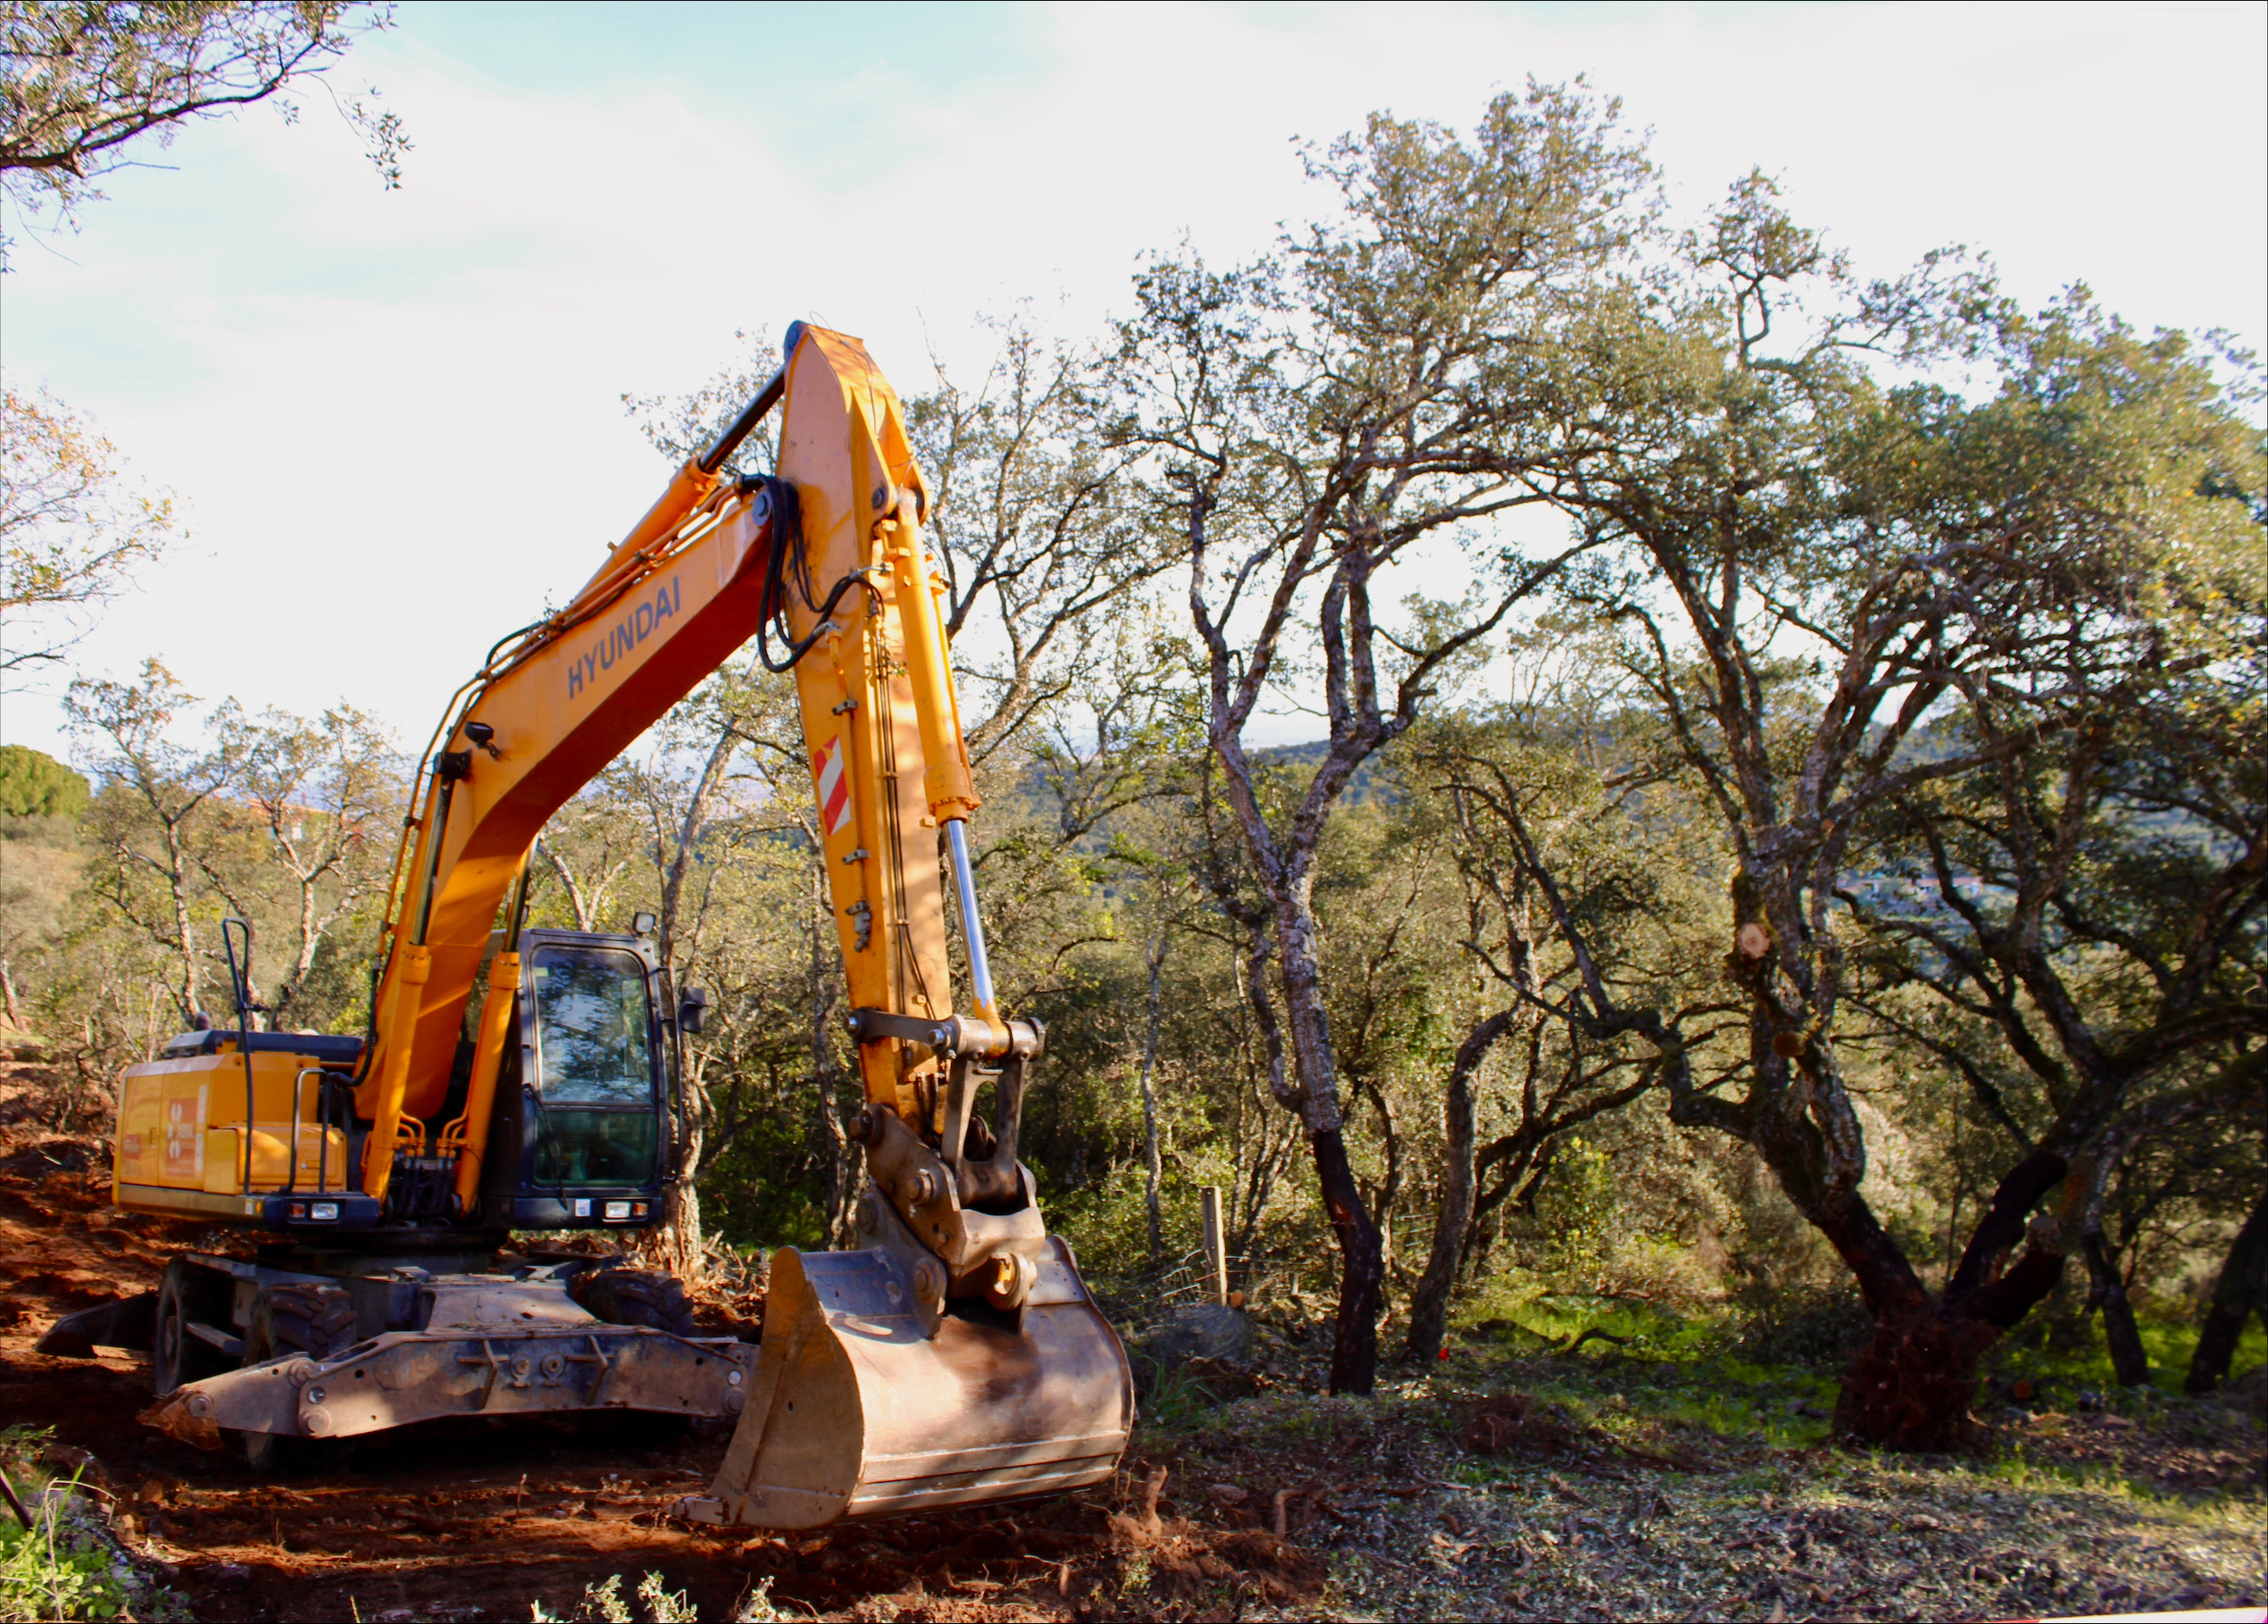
863,1405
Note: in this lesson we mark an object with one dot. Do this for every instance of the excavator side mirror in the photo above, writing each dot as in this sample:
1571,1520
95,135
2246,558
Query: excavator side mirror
691,1011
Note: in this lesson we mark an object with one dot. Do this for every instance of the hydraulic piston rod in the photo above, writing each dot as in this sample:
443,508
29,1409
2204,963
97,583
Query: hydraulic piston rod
965,881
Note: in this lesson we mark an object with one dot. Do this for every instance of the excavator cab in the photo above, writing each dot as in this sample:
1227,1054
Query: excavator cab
578,1134
585,1102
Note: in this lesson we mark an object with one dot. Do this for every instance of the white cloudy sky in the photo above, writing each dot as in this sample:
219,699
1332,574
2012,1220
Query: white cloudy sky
394,421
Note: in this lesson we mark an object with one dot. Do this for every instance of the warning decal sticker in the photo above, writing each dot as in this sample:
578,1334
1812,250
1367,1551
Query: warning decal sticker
834,786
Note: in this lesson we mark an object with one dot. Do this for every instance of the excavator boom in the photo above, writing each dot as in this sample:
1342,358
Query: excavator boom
831,549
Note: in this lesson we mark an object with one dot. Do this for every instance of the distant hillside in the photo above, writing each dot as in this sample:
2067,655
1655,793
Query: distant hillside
1361,789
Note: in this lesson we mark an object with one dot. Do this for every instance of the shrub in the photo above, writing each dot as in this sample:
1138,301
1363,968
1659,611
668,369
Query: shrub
1821,1327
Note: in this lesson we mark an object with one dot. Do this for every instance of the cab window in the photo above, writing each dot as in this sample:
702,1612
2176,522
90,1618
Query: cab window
593,1028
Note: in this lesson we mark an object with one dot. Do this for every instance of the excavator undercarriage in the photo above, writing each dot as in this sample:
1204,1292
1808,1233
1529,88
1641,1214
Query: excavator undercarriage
359,1349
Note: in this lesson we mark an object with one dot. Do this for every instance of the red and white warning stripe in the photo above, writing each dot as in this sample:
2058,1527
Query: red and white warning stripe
834,786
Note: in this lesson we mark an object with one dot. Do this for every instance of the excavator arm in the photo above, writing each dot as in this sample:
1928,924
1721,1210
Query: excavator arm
954,1354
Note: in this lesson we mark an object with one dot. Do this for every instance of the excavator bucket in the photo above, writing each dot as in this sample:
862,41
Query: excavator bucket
859,1410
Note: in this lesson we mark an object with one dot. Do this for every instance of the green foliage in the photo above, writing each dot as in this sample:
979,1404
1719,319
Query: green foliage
287,821
604,1603
84,82
35,785
1172,1397
2065,1357
1577,1214
65,1566
1818,1327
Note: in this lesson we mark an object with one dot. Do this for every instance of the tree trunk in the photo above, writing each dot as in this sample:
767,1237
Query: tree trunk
2241,1290
682,1243
1354,1356
567,883
1267,1167
1354,1364
1390,1187
2128,1363
176,883
1251,971
1430,1303
1911,1385
8,992
1153,1158
675,1242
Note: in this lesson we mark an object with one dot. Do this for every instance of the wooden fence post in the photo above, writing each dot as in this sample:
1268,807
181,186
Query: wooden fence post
1216,1244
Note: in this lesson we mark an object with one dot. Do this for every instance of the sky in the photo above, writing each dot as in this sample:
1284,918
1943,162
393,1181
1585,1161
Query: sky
394,420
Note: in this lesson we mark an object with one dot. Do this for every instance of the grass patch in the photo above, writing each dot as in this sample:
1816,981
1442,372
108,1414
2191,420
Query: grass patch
1729,1382
57,1558
2066,1357
1173,1397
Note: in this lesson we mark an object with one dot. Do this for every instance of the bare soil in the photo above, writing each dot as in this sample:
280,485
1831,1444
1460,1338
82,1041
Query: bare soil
1457,1495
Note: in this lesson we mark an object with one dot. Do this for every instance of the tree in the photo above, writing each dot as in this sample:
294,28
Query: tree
2188,1181
2239,1292
325,798
1314,420
36,785
73,532
1867,602
155,787
745,787
1163,893
87,79
286,823
1039,551
2100,878
1553,794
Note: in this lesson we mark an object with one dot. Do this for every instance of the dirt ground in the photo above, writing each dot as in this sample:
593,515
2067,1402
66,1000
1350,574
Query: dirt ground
1472,1493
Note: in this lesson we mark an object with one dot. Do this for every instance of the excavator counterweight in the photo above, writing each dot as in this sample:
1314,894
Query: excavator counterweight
518,1079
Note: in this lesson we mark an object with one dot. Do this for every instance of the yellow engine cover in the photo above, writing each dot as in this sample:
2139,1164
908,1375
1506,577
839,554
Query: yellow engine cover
180,1144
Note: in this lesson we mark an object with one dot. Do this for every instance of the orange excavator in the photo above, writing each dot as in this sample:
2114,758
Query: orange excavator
517,1079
